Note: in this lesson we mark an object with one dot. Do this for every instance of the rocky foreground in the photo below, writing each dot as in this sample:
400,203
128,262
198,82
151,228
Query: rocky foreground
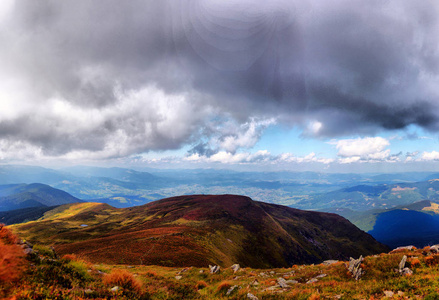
404,273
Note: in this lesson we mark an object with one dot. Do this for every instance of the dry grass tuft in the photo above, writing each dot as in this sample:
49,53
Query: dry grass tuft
124,279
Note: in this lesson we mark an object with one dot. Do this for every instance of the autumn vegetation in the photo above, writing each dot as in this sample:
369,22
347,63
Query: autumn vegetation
45,275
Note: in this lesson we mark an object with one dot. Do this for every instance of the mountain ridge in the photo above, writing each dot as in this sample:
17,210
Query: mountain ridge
199,230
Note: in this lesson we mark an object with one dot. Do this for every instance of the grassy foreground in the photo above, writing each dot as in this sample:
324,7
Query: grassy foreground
43,275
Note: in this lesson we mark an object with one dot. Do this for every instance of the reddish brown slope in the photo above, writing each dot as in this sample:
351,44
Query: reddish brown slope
204,229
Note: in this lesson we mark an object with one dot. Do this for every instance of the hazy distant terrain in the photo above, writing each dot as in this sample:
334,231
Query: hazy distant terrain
306,190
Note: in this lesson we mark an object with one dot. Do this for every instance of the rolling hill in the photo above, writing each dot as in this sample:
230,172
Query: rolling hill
199,230
18,196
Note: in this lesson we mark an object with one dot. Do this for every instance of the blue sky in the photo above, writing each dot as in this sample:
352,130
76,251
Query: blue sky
338,85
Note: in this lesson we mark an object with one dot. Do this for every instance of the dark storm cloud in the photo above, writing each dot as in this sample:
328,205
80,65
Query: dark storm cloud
353,66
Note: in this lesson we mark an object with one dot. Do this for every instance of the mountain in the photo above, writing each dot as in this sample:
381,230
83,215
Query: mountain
199,230
20,196
23,215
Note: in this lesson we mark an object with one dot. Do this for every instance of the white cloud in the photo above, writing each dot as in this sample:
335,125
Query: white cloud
368,149
245,135
427,156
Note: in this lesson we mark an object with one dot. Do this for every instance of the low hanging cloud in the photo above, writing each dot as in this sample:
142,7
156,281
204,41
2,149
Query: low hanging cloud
368,149
102,80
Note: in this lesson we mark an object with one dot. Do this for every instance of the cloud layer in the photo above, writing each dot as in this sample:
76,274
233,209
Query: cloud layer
102,80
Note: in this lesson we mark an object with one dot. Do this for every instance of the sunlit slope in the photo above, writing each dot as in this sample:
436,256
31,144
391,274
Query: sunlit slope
200,230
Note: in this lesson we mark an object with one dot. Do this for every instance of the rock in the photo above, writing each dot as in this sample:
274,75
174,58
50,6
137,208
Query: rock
251,296
312,280
214,269
434,249
291,281
235,268
178,277
402,263
115,288
229,291
388,294
320,276
262,274
255,282
272,272
406,272
88,291
399,249
282,283
354,267
330,262
272,288
182,271
201,271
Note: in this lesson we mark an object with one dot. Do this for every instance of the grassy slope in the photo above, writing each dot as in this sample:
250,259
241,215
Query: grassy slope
49,278
199,230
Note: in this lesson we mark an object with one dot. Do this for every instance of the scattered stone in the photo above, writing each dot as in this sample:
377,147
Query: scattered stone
201,271
115,288
235,268
312,280
214,269
388,294
178,277
291,281
402,263
236,277
400,293
229,291
272,288
272,272
182,271
399,249
434,249
88,291
354,267
406,272
320,276
282,283
255,282
251,296
330,262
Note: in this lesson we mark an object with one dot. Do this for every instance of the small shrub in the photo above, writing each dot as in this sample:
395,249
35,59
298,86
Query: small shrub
44,251
415,263
432,260
201,284
11,262
124,279
11,257
69,257
223,287
314,297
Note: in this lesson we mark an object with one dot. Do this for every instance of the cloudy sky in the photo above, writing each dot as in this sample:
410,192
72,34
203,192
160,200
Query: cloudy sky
337,85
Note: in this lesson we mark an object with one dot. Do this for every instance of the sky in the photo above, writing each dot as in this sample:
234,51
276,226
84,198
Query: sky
336,86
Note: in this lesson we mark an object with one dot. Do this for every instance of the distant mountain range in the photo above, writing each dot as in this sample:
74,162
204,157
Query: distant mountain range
18,196
122,187
199,230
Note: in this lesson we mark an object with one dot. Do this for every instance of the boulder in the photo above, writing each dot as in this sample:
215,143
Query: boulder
235,268
251,296
402,263
214,269
282,283
354,267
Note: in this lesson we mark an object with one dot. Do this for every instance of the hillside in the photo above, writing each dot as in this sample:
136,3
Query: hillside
408,273
199,230
18,196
